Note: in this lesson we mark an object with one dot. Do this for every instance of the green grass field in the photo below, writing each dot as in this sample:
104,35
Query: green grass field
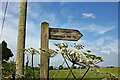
90,74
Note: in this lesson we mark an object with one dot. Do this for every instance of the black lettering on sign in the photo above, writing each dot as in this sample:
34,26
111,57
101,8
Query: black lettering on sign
68,31
58,36
74,36
55,32
64,34
68,36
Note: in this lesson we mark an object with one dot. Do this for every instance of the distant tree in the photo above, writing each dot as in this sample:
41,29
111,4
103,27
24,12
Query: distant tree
110,67
65,68
6,52
82,67
74,67
61,67
51,67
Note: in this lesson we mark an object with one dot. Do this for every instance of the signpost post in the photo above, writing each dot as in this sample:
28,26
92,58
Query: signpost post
56,34
44,61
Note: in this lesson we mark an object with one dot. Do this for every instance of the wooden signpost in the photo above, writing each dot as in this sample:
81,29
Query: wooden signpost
44,61
56,34
64,34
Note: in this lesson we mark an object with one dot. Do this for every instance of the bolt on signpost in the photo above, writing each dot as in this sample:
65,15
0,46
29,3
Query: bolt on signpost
54,34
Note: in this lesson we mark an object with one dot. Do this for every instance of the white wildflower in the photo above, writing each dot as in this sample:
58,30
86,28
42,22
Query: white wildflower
63,48
81,56
73,52
77,54
69,51
80,60
64,44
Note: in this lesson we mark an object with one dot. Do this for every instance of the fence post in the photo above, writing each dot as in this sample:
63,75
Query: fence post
44,61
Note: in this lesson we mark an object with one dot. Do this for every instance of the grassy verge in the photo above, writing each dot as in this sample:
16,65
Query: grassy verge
101,73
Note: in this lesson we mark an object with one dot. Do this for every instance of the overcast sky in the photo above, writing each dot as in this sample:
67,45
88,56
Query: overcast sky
97,21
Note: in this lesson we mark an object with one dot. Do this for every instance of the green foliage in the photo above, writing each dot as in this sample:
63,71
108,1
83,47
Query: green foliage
6,52
28,72
8,69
